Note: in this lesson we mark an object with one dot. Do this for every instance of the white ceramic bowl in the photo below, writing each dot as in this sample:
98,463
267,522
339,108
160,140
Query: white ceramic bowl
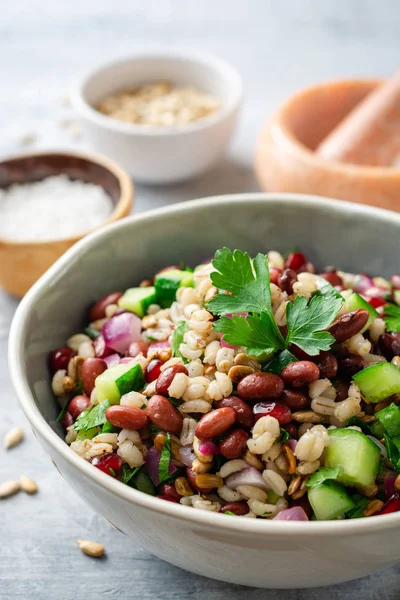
161,155
272,554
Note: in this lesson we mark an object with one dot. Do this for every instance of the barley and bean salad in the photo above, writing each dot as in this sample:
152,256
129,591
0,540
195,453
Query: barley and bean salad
250,387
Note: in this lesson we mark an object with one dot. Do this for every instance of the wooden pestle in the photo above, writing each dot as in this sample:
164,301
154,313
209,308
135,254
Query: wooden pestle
370,134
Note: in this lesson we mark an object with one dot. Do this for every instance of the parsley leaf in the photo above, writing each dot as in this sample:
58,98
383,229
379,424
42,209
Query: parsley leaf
323,474
259,333
63,411
247,280
112,472
127,473
177,338
229,512
284,435
360,504
278,363
392,317
94,416
361,424
165,458
91,332
305,323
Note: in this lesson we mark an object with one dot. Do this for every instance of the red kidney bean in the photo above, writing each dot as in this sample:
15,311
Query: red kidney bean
153,370
168,489
91,369
389,345
295,399
59,359
244,414
108,463
300,373
274,275
191,475
292,430
234,444
279,411
98,310
296,261
67,420
327,364
259,386
287,280
168,498
136,348
348,325
78,405
163,415
349,366
166,377
342,390
237,508
126,417
215,422
332,277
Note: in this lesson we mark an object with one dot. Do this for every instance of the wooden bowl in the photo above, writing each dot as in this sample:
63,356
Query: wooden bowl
22,263
285,160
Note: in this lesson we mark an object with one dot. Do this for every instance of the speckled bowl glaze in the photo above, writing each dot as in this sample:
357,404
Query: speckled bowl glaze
260,553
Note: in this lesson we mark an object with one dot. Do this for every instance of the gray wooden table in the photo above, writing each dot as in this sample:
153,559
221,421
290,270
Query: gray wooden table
278,46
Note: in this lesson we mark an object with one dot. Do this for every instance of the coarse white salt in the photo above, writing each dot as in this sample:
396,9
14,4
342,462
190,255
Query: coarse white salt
56,207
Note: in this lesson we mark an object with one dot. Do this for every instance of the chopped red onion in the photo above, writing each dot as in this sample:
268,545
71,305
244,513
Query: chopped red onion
152,461
362,284
126,360
112,360
120,331
292,444
296,513
208,448
248,476
187,455
158,345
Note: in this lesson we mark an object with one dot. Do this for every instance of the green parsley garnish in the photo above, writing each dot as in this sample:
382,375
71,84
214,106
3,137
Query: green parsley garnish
177,338
127,473
249,285
112,472
284,436
229,512
165,459
63,411
392,317
279,362
94,416
323,474
91,332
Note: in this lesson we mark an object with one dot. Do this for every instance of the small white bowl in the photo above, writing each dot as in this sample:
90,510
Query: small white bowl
161,154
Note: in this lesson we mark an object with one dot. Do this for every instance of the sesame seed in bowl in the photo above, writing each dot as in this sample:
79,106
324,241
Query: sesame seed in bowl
165,117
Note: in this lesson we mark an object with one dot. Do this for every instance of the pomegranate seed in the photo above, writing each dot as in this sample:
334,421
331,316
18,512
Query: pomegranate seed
59,359
395,281
274,275
168,489
332,277
392,505
169,498
281,412
296,261
377,302
153,370
108,463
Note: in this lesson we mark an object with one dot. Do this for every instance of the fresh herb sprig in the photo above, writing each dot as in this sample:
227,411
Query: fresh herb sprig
94,416
392,317
247,282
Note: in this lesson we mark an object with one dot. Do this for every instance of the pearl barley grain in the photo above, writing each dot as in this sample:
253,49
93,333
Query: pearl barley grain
56,207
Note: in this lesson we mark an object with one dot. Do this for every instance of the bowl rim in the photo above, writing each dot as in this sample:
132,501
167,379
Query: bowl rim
225,69
95,476
121,208
280,129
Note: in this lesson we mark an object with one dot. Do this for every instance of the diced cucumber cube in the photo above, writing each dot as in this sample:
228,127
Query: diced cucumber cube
378,381
329,501
355,454
138,300
167,283
118,380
